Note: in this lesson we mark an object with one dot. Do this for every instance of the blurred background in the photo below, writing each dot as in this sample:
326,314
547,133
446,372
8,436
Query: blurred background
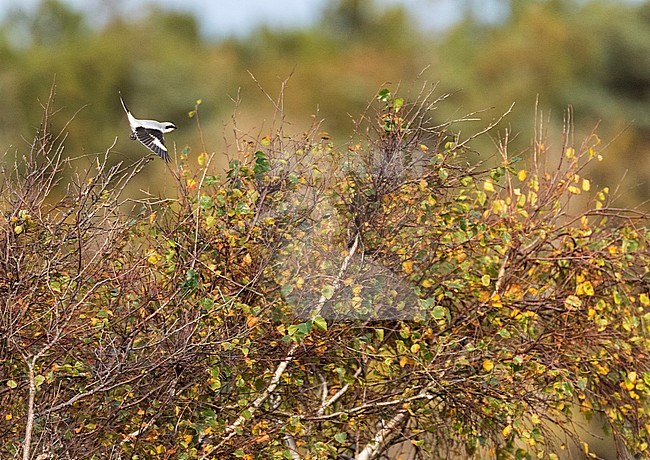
164,55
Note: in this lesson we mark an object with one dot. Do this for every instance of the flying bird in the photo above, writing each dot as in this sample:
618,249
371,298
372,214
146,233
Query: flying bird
149,132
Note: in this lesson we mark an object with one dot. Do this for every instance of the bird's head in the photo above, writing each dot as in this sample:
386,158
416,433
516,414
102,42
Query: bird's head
167,127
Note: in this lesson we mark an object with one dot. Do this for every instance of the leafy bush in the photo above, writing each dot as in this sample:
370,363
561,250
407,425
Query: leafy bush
314,301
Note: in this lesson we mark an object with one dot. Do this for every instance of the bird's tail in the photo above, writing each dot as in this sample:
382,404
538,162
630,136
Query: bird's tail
123,104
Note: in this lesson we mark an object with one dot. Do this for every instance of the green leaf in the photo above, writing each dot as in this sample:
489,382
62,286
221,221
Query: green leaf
243,209
384,95
191,280
261,164
486,280
298,331
305,328
438,312
210,221
55,286
206,203
327,291
286,289
443,174
497,173
466,181
210,180
320,322
206,303
341,437
504,333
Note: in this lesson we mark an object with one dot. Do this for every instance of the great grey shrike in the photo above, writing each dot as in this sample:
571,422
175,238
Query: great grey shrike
149,132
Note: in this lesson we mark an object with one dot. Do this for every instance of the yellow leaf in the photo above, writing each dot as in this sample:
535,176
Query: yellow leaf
202,159
499,207
570,152
587,287
8,417
488,186
247,259
251,321
602,369
534,419
572,302
644,299
496,300
586,185
506,431
415,348
154,258
407,266
488,365
427,283
522,174
573,189
191,184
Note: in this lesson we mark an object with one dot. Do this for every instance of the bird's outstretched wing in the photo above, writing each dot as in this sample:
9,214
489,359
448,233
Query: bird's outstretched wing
153,140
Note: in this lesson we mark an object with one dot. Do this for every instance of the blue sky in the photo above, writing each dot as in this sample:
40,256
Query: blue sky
236,17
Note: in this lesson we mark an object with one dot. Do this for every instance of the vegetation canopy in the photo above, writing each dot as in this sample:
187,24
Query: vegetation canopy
315,301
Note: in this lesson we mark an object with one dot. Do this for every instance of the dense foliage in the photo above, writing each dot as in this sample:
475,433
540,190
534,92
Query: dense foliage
315,302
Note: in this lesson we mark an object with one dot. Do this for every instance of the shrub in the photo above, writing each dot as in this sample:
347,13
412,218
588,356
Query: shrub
314,301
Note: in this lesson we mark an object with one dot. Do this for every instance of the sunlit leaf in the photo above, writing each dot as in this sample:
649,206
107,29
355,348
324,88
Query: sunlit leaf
320,322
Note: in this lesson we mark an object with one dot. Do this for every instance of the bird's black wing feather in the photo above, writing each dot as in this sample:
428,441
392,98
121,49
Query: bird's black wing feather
153,140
